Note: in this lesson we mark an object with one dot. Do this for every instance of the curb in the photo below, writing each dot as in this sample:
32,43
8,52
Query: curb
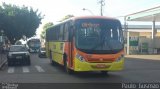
150,57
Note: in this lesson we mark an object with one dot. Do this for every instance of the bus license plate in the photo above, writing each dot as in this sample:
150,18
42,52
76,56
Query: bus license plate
101,66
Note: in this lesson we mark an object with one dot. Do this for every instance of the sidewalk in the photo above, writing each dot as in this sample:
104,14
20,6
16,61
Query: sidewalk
150,57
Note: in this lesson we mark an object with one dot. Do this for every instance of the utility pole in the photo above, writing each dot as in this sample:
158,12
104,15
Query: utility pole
102,3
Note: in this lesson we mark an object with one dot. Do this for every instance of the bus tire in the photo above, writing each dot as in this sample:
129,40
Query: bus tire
66,69
50,58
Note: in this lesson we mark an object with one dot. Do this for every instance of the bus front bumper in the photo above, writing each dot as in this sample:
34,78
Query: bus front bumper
85,66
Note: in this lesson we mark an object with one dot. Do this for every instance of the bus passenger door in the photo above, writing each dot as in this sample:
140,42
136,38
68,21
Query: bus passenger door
71,46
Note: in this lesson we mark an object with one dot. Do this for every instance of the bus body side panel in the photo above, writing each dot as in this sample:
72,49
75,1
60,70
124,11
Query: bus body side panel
103,62
47,49
58,49
57,52
51,49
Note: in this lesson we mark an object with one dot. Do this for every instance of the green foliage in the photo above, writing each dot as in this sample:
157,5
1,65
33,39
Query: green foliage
45,27
66,17
48,25
18,21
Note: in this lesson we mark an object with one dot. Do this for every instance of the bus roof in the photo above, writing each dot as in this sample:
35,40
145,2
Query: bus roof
83,17
89,17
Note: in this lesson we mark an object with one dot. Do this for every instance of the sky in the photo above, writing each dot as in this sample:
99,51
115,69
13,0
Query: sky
55,10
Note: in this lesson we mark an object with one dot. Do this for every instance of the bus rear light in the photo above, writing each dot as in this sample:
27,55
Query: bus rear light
120,58
79,57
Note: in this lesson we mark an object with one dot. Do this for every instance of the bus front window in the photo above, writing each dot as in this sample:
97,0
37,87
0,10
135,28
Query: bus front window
99,36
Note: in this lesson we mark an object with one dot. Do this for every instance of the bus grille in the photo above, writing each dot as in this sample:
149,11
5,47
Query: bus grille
100,60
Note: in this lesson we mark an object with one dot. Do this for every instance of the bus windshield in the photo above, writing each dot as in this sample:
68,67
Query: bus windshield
99,35
34,43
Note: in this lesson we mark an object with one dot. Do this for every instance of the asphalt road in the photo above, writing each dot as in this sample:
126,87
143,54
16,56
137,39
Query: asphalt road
41,71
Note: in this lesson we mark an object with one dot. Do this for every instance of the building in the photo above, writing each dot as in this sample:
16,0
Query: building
143,39
140,39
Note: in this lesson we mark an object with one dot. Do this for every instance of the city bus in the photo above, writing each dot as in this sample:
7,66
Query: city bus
87,43
34,44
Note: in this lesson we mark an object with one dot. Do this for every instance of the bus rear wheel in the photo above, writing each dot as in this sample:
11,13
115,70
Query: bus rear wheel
50,58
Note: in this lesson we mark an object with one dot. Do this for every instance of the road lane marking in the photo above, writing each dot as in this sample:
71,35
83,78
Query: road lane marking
11,70
25,70
39,68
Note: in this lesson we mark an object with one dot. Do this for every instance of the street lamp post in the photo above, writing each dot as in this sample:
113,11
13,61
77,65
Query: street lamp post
102,3
84,9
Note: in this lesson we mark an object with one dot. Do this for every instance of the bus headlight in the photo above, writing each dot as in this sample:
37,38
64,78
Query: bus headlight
120,58
79,57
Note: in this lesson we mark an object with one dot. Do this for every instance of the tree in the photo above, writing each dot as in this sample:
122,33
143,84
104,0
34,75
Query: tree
45,27
18,21
66,17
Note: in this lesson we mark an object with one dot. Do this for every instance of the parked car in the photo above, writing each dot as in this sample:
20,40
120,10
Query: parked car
42,52
18,54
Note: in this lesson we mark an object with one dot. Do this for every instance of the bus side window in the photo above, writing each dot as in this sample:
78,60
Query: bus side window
61,36
57,32
66,33
53,34
50,32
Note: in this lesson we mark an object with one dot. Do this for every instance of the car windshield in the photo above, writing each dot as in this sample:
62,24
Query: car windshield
18,49
99,35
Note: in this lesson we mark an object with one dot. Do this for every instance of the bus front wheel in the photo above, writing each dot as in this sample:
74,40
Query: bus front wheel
69,71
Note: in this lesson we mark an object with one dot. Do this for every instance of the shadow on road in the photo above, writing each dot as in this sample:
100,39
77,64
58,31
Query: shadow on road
87,75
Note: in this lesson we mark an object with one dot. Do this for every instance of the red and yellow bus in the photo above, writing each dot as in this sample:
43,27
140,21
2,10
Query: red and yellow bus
89,43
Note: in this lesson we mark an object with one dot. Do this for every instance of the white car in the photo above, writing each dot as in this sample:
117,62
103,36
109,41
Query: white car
18,54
